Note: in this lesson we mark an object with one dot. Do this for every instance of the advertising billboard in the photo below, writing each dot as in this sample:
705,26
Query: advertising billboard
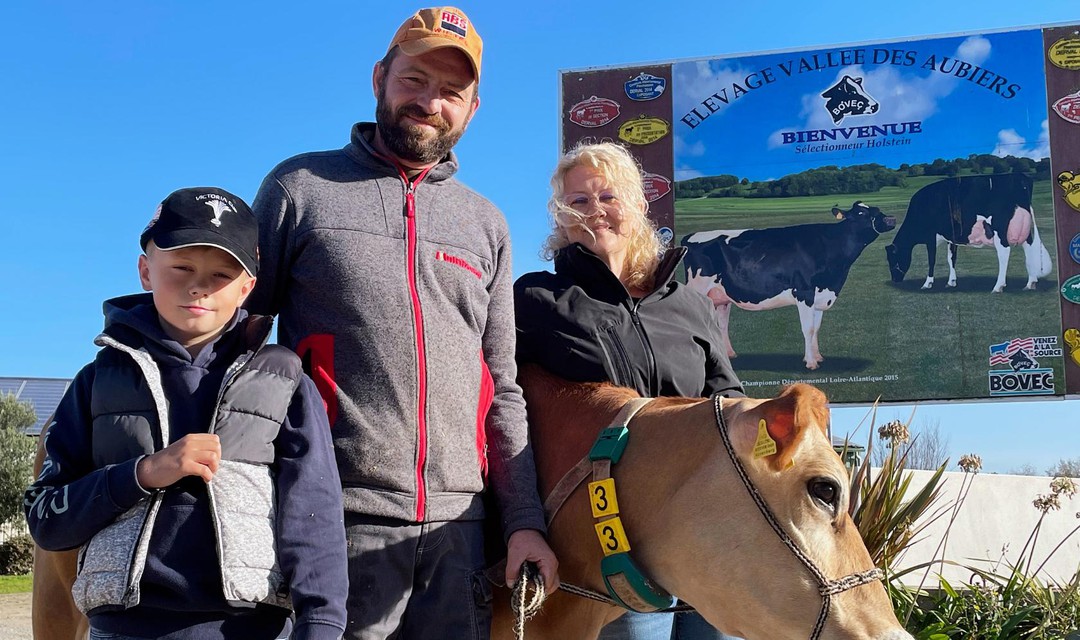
893,219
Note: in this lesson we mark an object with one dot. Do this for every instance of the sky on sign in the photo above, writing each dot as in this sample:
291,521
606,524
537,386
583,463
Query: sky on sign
911,82
109,107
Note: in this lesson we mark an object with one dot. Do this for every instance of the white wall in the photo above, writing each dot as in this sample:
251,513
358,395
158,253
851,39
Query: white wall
997,514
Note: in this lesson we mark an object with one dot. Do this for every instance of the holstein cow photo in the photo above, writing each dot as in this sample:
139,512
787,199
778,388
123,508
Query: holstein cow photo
804,265
979,211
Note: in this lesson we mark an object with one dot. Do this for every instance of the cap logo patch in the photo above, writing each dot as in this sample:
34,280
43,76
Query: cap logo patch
157,214
218,204
454,23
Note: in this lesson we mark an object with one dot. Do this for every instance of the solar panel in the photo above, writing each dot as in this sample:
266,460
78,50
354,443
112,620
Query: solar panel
42,394
11,385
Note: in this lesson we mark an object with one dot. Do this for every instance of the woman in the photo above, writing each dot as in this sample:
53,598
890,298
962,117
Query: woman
612,311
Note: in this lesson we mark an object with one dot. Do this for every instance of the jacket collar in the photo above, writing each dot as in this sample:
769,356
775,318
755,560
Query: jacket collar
363,151
591,273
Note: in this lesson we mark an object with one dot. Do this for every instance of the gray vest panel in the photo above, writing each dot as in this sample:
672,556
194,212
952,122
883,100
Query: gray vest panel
130,416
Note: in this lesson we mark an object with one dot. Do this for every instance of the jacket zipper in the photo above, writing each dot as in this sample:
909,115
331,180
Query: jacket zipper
654,387
623,369
227,588
230,375
418,326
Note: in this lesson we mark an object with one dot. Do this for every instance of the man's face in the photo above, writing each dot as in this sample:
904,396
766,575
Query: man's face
423,105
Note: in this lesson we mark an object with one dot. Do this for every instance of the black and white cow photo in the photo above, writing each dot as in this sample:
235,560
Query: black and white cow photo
976,211
804,265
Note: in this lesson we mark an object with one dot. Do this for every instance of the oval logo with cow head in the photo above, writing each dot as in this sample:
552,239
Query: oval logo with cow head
1065,53
666,235
1068,107
643,130
594,112
656,186
645,87
1071,290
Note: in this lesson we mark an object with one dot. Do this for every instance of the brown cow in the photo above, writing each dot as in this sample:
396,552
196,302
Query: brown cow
692,523
54,614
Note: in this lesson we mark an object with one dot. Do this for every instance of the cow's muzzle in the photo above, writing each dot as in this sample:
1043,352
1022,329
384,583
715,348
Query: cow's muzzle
895,270
887,223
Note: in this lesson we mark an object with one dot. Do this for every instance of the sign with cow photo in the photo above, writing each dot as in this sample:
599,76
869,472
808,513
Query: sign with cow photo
889,220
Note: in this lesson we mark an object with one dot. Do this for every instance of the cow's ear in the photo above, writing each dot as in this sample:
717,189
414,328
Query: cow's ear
786,420
838,213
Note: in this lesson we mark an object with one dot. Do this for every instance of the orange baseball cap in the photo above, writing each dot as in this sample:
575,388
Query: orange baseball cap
438,27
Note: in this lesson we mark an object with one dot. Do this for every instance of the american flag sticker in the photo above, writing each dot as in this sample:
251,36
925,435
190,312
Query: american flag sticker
1034,347
454,23
1000,353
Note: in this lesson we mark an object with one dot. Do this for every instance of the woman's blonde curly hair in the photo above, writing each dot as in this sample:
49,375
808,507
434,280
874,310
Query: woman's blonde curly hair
624,175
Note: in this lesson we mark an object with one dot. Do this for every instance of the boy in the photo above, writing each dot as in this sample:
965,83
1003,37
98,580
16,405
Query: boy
191,461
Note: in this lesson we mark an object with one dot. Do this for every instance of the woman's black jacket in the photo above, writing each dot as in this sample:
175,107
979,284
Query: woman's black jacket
581,324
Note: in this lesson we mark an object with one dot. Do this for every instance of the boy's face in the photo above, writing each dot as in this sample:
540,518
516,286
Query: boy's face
197,290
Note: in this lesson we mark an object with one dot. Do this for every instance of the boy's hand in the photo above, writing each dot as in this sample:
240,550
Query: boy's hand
529,544
196,454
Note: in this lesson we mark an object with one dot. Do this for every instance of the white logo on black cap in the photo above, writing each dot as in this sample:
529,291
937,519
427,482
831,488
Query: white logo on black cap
219,207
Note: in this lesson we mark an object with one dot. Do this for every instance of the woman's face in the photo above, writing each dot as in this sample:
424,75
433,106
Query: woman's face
588,192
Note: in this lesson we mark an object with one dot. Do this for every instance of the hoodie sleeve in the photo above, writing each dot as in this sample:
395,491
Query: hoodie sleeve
311,527
273,207
513,470
71,500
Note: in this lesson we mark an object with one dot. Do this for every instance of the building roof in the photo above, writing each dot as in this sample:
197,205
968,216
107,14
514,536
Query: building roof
43,394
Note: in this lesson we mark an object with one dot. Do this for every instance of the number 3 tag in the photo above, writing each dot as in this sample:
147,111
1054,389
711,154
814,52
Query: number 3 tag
612,536
602,498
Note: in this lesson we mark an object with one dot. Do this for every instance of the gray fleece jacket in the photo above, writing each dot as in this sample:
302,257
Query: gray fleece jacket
398,296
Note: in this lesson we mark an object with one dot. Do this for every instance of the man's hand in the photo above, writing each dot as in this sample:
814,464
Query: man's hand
529,544
196,454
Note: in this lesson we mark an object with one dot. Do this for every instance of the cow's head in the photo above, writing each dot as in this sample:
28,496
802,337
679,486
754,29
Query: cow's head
863,215
848,98
899,263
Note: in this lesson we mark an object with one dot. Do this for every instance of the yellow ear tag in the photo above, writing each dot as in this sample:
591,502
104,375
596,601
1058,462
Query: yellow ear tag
765,445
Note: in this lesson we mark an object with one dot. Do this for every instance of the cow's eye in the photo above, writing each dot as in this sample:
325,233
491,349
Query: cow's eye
826,493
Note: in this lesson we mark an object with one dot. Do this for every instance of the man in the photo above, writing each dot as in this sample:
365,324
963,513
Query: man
393,283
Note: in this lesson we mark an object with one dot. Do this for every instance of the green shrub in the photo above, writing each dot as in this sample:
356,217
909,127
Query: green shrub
17,556
1005,601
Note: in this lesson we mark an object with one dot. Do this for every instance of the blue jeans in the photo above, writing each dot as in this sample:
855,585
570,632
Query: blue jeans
688,625
97,634
104,635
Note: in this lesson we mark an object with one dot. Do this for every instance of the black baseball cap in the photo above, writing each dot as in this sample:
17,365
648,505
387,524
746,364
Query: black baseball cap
206,216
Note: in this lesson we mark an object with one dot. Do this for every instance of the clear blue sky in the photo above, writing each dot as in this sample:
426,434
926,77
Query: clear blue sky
107,107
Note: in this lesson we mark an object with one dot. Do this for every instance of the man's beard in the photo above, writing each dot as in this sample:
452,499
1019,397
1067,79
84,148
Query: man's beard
410,143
